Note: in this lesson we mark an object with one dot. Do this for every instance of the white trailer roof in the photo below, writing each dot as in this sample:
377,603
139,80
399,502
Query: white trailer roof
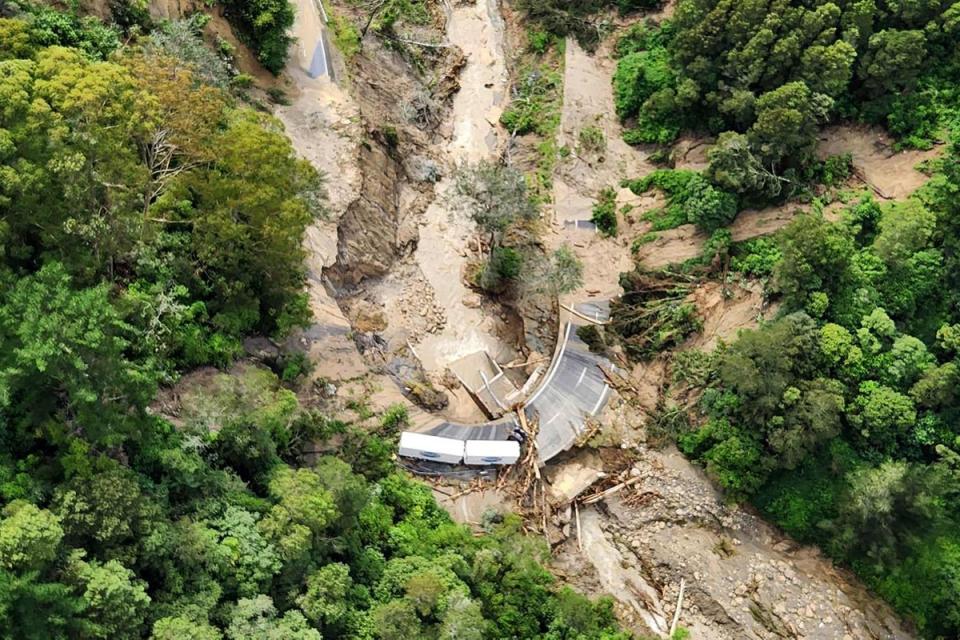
416,444
491,451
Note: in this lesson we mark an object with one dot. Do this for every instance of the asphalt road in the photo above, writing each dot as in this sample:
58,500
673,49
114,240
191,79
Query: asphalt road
573,390
495,430
320,63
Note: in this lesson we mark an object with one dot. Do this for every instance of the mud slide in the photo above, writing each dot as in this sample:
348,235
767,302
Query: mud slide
478,30
323,123
891,174
743,578
617,576
588,103
756,589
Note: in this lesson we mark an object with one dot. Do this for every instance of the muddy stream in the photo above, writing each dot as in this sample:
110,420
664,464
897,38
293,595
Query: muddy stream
478,31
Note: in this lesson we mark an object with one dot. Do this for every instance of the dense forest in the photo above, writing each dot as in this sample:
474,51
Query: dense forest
838,418
152,217
150,220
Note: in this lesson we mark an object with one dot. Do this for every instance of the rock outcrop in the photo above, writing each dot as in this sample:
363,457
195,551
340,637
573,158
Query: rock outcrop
367,233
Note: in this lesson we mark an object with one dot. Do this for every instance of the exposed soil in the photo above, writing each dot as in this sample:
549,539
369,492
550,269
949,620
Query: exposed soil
588,102
726,310
400,244
616,574
744,580
672,246
892,174
477,30
219,27
690,152
322,122
471,507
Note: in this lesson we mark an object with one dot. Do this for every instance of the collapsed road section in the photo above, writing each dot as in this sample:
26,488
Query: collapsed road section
573,391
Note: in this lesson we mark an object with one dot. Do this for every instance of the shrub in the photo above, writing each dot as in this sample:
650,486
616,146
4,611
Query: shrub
835,170
265,24
129,14
278,96
242,81
182,39
691,199
642,36
346,36
592,140
390,136
641,240
539,41
503,267
638,76
52,27
295,366
394,418
535,107
605,212
756,257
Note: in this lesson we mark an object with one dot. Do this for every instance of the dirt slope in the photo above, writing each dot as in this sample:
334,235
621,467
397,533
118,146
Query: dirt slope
890,175
742,578
322,122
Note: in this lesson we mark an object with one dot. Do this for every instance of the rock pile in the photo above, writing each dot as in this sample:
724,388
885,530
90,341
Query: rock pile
743,578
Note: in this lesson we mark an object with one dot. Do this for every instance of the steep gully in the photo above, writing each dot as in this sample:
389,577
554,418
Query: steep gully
635,554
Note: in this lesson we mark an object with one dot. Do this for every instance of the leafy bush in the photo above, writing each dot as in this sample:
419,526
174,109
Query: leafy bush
182,39
691,199
554,274
639,76
394,418
593,141
643,239
346,36
593,337
605,212
835,170
565,18
51,27
265,24
757,257
503,266
539,41
643,36
295,366
535,105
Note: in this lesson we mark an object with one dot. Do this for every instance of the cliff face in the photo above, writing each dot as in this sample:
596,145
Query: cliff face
401,109
367,243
